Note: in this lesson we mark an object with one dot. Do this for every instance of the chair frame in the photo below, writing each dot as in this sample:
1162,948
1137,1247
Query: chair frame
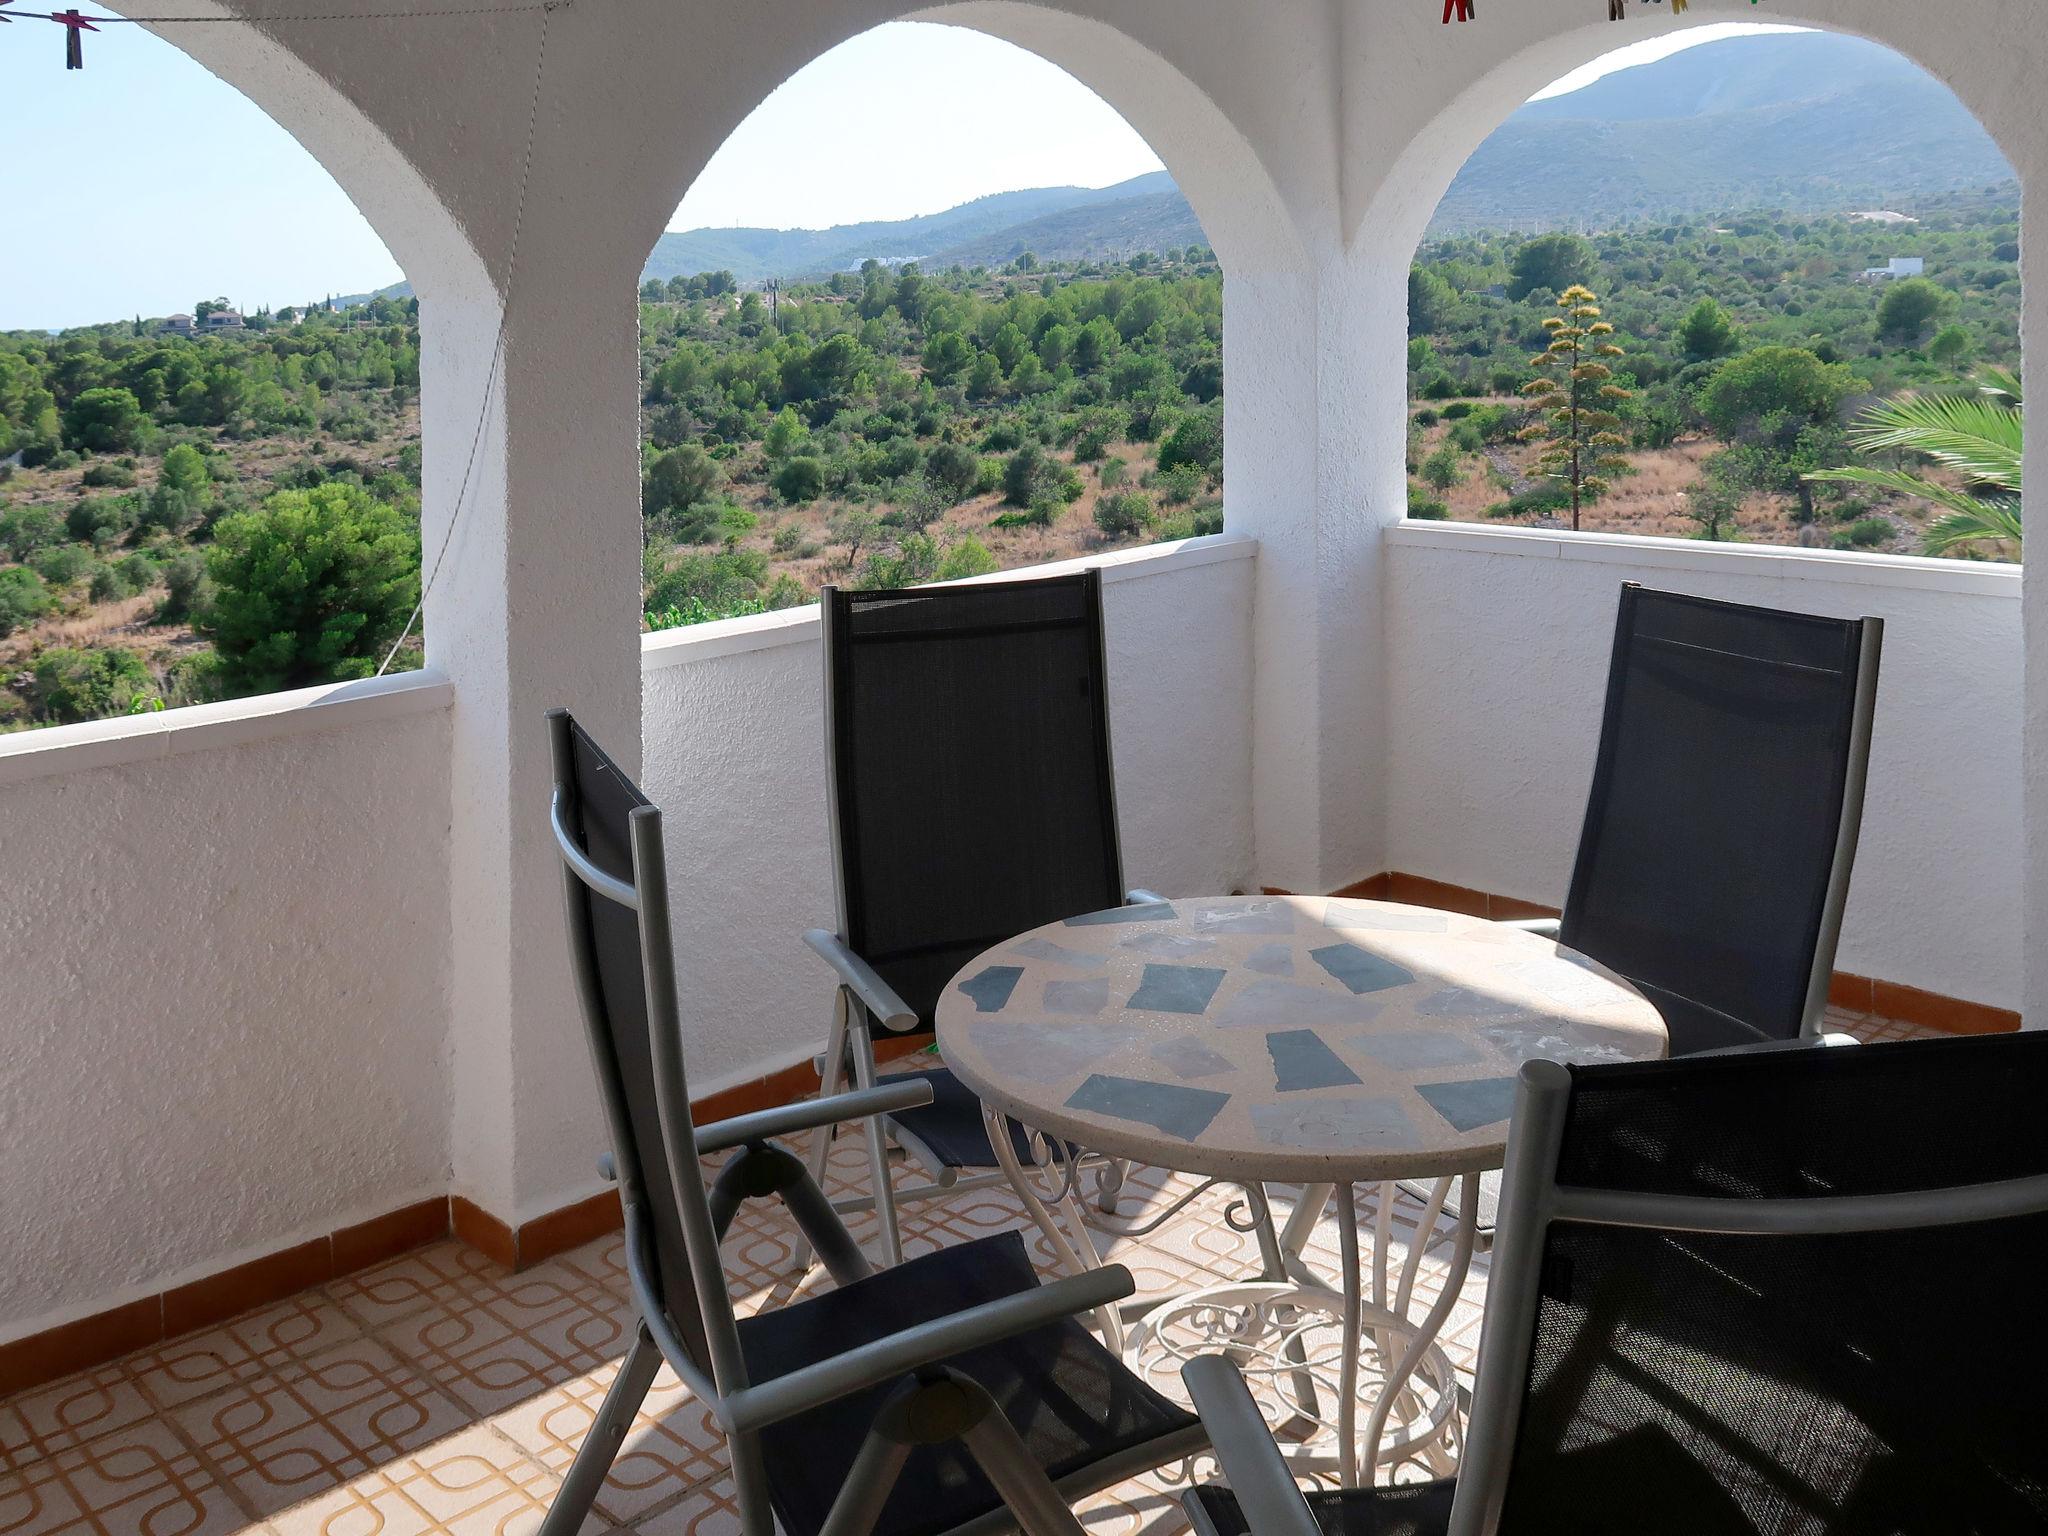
1532,1199
933,1404
862,999
1848,829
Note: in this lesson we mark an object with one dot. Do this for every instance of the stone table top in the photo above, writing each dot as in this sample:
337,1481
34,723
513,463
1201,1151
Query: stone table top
1286,1038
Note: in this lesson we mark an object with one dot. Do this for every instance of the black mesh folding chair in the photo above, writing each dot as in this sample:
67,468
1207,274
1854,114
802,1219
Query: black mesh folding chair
953,1394
972,798
1721,830
1727,798
1738,1295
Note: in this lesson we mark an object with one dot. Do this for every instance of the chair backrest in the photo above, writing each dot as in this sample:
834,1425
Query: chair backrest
1727,796
615,889
967,733
1770,1293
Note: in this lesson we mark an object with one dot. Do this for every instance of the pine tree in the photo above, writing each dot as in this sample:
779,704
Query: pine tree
1573,395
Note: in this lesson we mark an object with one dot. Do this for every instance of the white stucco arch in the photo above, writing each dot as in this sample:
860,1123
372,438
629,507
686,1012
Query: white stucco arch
1507,69
1241,209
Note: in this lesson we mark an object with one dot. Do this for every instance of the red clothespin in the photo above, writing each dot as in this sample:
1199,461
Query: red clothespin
74,48
1458,10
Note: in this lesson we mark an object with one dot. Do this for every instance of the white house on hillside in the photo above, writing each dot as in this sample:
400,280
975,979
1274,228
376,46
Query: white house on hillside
1899,266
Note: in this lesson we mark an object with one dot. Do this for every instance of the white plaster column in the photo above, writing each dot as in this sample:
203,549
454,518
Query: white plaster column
537,605
1313,457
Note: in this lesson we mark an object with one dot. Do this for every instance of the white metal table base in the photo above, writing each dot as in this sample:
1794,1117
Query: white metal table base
1290,1330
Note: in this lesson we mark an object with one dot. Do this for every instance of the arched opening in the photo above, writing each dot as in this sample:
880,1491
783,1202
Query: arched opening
209,373
925,357
1761,274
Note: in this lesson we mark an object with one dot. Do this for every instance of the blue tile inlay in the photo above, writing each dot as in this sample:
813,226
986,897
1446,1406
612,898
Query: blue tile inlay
992,987
1045,949
1406,1049
1177,988
1182,1112
1191,1058
1271,960
1466,1003
1346,914
1077,997
1034,1054
1301,1060
1274,918
1468,1106
1331,1125
1270,1003
1359,971
1149,912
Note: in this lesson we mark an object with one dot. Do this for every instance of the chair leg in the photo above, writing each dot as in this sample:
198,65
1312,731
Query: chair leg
869,1482
831,1080
1017,1477
863,1050
607,1434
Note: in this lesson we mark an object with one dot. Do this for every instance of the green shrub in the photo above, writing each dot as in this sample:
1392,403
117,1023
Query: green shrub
312,588
62,564
103,520
185,588
968,557
1197,442
1123,513
109,585
1867,533
108,473
23,598
1458,410
1182,483
90,685
1424,510
801,479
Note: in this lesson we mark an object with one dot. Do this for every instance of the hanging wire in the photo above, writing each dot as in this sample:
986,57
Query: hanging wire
483,415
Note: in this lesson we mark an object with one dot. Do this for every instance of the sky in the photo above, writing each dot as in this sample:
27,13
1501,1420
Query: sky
160,185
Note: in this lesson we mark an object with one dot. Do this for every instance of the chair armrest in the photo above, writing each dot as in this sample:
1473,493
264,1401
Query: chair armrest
879,997
1829,1041
1542,927
1138,896
894,1354
1251,1461
809,1114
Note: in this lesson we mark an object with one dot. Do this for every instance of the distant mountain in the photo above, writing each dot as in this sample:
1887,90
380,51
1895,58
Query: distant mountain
754,254
1811,121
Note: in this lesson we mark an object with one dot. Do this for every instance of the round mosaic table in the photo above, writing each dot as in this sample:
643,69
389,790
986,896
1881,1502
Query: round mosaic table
1319,1041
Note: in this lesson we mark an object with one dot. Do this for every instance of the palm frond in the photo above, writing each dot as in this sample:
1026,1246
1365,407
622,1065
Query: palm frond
1971,434
1990,519
1960,502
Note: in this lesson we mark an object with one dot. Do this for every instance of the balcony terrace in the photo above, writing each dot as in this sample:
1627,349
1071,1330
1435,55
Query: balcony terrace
282,982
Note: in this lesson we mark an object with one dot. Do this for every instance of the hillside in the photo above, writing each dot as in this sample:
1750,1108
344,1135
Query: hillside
1812,121
754,254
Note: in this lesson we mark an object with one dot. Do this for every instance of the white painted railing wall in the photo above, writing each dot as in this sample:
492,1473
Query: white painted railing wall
1497,647
734,754
223,986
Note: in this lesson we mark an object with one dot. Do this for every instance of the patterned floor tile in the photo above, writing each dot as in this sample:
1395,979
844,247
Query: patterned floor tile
141,1480
282,1438
475,1483
260,1344
72,1411
438,1395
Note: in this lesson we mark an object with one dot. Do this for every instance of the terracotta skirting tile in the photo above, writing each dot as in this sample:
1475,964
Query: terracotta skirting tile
570,1227
775,1089
1506,909
1931,1010
216,1298
1372,888
482,1231
1415,891
1849,991
69,1347
387,1236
